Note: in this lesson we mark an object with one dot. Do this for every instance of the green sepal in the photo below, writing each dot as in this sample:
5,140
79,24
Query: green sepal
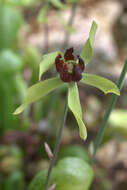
75,107
87,51
38,91
102,83
47,61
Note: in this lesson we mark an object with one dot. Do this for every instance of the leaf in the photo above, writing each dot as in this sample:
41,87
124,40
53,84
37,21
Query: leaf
47,62
10,22
43,13
10,63
58,4
87,51
67,27
102,83
38,91
18,2
75,107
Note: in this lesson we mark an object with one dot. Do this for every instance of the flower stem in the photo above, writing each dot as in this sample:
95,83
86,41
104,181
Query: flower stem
58,140
70,23
101,131
46,38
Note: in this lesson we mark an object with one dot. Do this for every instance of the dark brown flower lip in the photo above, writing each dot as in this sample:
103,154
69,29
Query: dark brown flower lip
69,54
63,64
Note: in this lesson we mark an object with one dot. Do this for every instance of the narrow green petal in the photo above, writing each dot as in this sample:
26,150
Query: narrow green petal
47,61
75,107
20,109
87,51
38,91
82,127
102,83
93,32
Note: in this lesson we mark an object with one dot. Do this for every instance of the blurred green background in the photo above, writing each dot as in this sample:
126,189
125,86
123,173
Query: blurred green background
28,29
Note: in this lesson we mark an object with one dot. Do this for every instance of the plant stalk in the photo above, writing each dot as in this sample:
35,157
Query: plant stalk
58,140
102,129
70,23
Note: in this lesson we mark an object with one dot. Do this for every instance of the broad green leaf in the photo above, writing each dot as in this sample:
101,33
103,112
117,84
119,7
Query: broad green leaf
42,16
67,27
58,4
38,91
47,62
10,63
102,83
18,2
75,107
87,51
10,22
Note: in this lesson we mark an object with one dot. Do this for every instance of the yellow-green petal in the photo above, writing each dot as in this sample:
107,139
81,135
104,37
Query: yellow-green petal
47,61
38,91
87,51
102,83
75,107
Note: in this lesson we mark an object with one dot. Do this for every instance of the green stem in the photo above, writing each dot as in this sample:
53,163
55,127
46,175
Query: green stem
57,143
101,131
70,23
46,34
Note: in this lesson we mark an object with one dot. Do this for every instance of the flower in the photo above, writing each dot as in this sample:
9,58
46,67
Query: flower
70,70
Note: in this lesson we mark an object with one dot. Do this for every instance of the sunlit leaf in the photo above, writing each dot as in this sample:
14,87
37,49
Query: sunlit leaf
75,107
47,62
87,51
42,16
38,91
102,83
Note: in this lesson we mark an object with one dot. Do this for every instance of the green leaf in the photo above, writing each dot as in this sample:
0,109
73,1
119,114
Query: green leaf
10,22
42,16
67,27
102,83
87,51
10,63
58,4
47,62
75,107
18,2
38,91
